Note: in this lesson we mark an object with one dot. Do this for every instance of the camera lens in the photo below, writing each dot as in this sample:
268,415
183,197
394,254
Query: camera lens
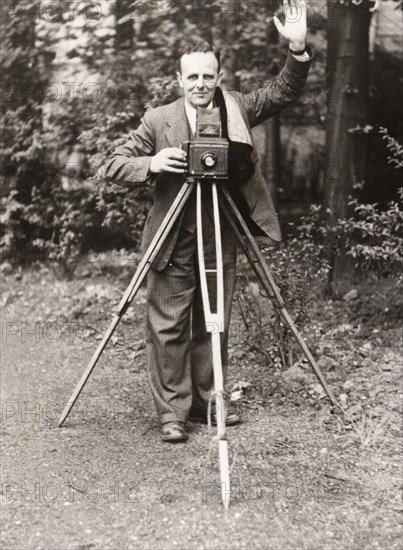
209,160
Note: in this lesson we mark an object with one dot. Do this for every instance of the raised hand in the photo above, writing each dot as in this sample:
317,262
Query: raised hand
294,28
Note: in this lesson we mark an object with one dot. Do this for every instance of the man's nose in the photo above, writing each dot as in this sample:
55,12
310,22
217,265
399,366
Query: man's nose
200,83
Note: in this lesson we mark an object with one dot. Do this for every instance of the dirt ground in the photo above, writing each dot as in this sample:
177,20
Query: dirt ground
303,477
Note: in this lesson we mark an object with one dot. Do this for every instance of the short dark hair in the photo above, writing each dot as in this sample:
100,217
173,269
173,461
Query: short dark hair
198,45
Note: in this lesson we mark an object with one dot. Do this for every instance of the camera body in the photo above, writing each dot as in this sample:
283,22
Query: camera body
207,152
207,158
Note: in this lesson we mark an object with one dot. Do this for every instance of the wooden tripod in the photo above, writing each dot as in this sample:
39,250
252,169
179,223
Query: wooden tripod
214,321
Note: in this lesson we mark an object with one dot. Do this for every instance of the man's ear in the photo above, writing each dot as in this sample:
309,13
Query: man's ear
179,77
219,77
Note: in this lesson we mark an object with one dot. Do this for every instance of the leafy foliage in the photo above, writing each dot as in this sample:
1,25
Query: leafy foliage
51,205
298,270
374,236
50,199
394,148
371,235
23,153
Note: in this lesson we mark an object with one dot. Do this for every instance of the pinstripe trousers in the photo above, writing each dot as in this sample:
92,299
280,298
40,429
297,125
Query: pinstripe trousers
179,357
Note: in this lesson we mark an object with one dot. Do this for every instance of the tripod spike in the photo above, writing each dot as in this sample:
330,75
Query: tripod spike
224,472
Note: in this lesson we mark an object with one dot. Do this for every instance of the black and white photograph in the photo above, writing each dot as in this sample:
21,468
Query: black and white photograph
201,260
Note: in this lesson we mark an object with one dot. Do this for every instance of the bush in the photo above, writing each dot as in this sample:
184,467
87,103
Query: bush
374,237
57,212
24,160
371,236
298,270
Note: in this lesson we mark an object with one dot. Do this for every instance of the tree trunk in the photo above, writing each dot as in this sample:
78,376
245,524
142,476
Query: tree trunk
272,160
231,17
124,31
348,85
19,59
272,157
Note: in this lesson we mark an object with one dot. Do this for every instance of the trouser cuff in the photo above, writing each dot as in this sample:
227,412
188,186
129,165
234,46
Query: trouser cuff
173,417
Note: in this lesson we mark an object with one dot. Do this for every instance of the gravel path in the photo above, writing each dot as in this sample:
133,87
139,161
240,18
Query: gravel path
301,480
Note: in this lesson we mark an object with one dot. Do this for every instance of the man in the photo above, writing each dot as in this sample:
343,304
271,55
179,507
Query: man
178,347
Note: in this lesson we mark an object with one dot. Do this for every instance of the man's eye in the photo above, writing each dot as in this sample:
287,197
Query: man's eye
209,77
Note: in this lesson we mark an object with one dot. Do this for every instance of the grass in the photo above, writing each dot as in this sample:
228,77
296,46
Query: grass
372,432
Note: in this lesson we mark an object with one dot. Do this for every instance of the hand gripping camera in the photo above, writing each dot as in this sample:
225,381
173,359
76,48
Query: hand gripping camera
207,152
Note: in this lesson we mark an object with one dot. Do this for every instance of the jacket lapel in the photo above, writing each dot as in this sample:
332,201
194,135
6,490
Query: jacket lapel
178,129
237,129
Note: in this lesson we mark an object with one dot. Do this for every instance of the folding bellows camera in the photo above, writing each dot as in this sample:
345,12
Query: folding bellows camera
207,152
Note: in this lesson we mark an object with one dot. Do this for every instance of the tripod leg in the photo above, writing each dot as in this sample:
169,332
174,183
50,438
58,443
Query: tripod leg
263,273
139,276
215,325
221,418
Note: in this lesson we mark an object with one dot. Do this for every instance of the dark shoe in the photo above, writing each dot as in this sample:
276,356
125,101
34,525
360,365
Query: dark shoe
174,432
200,415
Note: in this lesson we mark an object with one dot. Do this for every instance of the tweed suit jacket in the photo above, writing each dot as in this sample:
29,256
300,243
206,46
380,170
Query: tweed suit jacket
167,126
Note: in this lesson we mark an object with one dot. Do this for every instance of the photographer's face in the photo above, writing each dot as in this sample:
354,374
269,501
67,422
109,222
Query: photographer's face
199,77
